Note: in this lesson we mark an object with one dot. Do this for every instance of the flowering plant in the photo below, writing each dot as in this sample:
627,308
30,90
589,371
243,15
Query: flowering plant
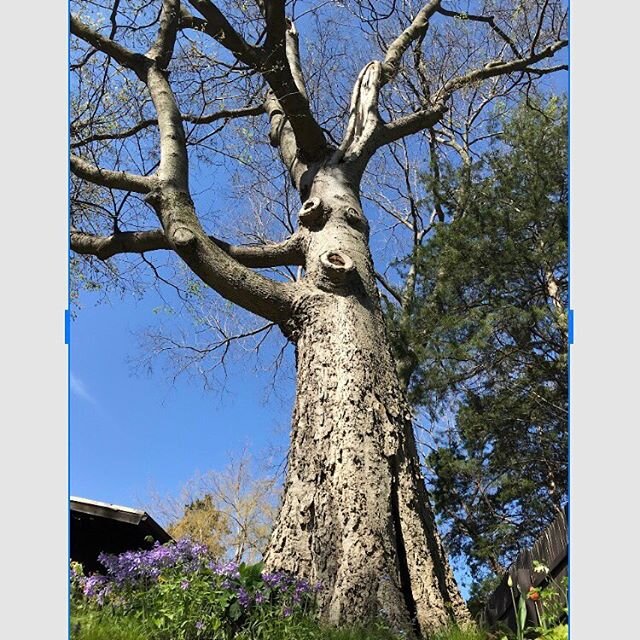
181,593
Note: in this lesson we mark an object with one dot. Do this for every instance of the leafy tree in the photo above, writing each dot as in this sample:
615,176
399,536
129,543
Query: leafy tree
203,523
487,332
334,91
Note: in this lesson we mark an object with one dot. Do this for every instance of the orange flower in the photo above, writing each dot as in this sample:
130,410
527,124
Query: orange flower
533,594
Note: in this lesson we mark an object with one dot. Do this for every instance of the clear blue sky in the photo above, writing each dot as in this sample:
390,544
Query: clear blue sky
131,432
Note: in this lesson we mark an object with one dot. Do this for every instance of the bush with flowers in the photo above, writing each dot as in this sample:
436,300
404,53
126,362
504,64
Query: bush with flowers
178,592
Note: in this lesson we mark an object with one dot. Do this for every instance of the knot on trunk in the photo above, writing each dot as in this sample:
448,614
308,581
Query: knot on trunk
337,268
183,236
356,220
312,214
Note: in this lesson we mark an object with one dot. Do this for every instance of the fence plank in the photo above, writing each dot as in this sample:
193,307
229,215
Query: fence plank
550,549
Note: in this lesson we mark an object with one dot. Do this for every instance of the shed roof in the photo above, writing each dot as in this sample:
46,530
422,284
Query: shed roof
97,527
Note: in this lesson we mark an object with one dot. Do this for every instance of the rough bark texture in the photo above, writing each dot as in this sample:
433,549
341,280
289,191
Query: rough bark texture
355,513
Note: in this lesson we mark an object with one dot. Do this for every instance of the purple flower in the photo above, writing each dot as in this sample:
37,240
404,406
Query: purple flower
199,625
228,569
276,580
287,611
131,566
184,585
260,598
243,597
93,585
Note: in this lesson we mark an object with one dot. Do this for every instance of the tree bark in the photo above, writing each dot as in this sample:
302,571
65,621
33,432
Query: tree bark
355,512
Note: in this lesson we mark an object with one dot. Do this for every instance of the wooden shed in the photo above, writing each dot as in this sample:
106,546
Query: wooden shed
99,526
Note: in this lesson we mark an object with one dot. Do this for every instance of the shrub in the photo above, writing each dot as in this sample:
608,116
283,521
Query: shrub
178,592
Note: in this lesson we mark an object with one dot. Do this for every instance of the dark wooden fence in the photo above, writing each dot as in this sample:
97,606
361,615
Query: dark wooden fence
552,550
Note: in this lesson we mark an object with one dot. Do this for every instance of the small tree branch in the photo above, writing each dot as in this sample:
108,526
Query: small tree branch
219,28
490,20
225,114
498,68
545,70
389,288
111,179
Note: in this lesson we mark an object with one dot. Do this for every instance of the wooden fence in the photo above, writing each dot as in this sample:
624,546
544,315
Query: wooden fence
552,550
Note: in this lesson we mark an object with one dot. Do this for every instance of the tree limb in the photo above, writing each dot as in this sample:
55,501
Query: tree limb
272,61
424,118
395,51
288,252
497,68
134,61
406,125
111,179
490,20
219,28
275,19
168,193
162,49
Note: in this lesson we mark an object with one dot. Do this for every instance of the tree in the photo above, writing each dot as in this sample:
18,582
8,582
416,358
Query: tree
488,334
231,511
202,522
148,84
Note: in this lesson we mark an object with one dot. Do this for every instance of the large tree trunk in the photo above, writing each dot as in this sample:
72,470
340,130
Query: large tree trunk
355,512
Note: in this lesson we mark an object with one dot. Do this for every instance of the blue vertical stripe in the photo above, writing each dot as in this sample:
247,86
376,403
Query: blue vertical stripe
570,326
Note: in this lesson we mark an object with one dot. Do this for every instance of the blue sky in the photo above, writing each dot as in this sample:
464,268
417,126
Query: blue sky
131,432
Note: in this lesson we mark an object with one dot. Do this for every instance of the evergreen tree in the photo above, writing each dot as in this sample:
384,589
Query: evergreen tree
487,337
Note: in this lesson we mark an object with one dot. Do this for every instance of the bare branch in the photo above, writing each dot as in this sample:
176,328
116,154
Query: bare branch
273,62
219,28
276,23
134,61
288,252
543,71
490,20
406,125
162,49
390,289
293,58
395,51
111,179
105,247
224,114
497,68
425,118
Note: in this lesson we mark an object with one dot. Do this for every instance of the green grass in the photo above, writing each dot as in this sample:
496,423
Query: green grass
93,626
459,633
